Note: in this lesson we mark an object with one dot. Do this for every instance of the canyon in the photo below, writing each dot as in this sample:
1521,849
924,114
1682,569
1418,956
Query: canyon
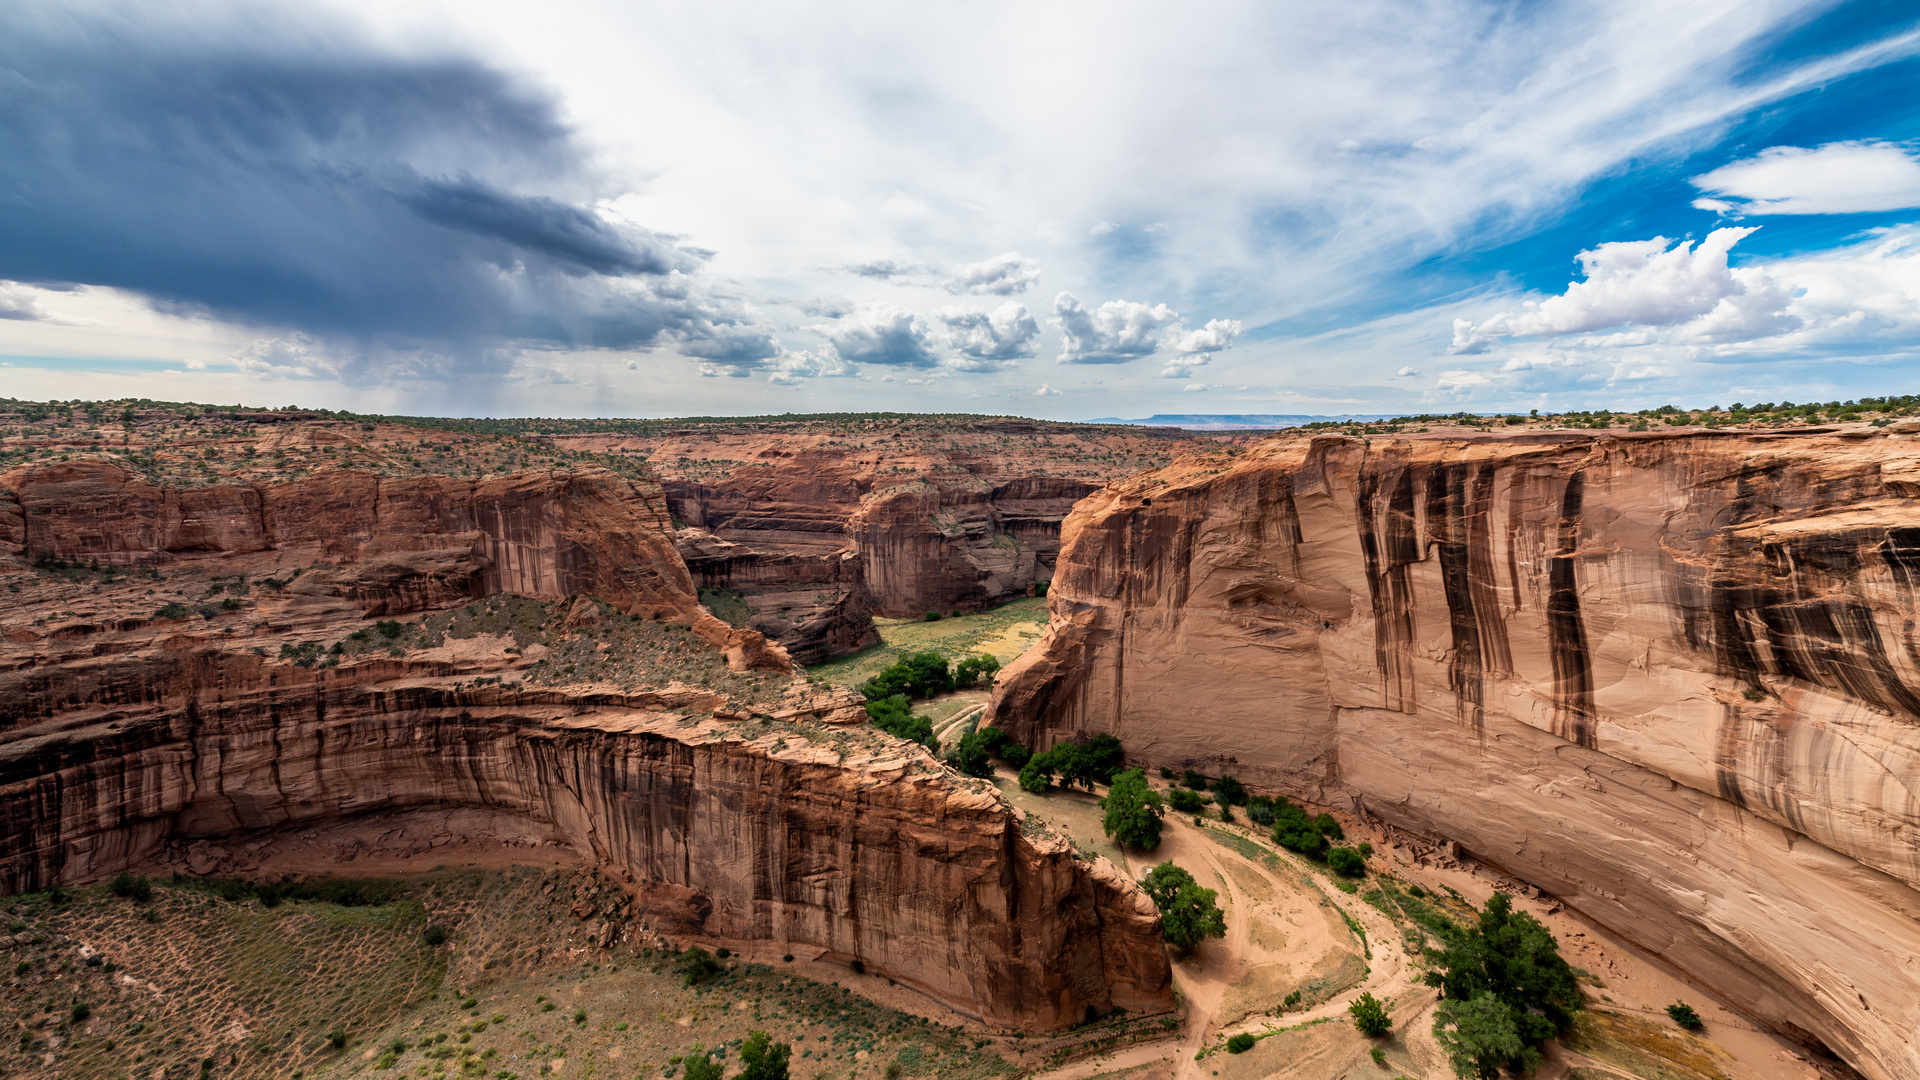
315,668
819,524
1668,679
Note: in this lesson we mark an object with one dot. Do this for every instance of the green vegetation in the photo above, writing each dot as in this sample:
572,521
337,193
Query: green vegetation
126,885
1133,811
1185,801
1347,862
1507,990
1682,1013
1295,831
1095,761
1003,633
1188,914
1370,1016
764,1059
1241,1043
697,965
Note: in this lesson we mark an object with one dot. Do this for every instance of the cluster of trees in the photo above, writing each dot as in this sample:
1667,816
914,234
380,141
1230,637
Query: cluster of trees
916,677
1506,991
1188,913
1095,761
760,1056
971,755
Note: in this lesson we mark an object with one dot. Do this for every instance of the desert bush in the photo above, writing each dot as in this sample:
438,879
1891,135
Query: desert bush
135,888
1241,1043
1370,1016
1195,781
696,965
434,936
1347,862
1682,1013
337,1038
1185,801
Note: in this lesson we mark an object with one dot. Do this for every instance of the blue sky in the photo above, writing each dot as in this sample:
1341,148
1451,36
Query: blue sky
1068,210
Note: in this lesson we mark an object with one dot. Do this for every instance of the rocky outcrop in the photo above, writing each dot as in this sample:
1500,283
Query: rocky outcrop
813,603
262,713
820,524
390,544
1670,679
730,829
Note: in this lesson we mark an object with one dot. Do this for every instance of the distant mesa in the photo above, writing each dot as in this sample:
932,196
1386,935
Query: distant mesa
1244,421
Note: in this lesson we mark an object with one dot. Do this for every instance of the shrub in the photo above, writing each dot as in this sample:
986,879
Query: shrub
932,616
696,965
1133,812
1185,801
1379,1055
1166,773
579,1016
1347,862
337,1038
1228,792
1370,1016
893,715
80,1011
1195,781
138,889
388,628
1260,810
434,936
1683,1014
1240,1044
1295,831
763,1058
699,1066
1015,754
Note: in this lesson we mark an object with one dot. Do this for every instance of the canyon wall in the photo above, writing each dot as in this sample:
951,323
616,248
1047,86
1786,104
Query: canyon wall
872,853
833,521
262,709
1670,679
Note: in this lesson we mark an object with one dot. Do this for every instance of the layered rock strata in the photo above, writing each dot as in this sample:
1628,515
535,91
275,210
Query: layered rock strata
734,830
272,708
819,525
1670,679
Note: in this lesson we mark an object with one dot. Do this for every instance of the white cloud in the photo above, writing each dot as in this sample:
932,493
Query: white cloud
1114,333
1408,372
17,302
989,341
1002,275
1217,336
794,367
1046,391
1196,388
293,356
884,334
1836,178
888,268
1682,287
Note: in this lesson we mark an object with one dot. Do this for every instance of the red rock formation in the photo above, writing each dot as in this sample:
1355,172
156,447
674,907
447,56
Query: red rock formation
736,830
1670,679
209,741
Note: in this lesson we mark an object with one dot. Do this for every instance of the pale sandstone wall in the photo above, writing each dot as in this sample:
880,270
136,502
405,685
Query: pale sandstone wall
884,859
1671,680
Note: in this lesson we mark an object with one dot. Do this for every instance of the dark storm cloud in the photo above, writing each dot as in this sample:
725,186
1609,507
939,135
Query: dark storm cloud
293,180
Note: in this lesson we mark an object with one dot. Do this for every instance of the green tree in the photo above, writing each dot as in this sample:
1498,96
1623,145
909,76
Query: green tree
1682,1013
1133,811
697,965
1188,914
917,675
1511,960
894,715
1185,801
970,757
764,1059
1036,775
975,670
1347,862
1370,1016
700,1066
1295,831
1480,1037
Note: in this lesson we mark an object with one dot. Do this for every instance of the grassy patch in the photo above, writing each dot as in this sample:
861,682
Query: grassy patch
1652,1050
1001,632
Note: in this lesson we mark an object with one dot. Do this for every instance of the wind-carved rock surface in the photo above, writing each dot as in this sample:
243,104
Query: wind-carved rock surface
1670,679
820,524
222,734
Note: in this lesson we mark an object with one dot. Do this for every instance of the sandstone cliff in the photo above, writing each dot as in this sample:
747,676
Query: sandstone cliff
200,678
1670,679
775,830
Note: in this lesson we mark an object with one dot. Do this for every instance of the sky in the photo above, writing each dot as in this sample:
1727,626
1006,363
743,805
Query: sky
1069,210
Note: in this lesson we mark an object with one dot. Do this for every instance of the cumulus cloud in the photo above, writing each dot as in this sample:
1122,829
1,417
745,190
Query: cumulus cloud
1002,275
1217,336
990,341
1046,391
1835,178
400,206
1114,333
795,367
18,302
293,356
1684,288
884,335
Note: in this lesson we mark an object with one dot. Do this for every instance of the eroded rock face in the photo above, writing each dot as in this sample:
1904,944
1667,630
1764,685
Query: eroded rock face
214,733
1671,680
819,525
731,830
